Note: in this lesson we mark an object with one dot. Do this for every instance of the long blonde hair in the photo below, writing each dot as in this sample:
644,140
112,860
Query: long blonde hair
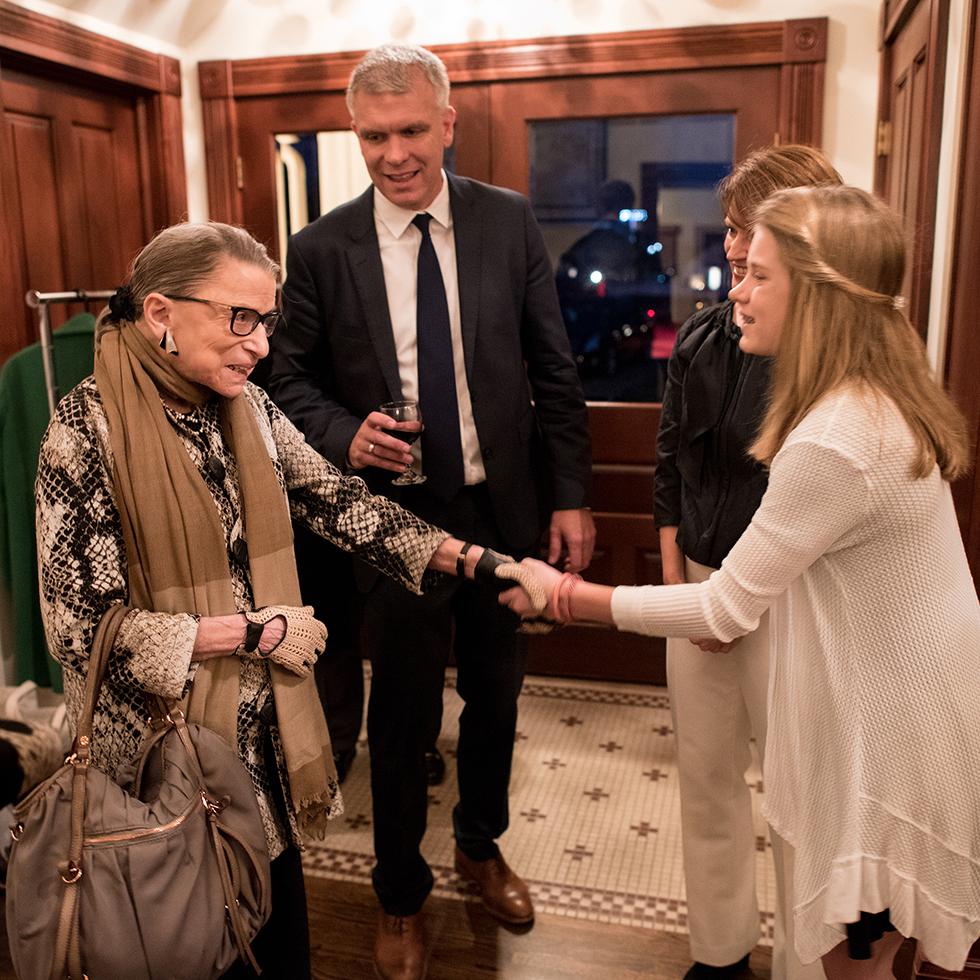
845,323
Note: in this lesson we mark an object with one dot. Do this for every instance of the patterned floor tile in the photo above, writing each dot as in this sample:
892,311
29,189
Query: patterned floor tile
595,820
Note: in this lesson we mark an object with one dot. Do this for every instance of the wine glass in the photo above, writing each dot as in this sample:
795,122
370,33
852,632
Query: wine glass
404,410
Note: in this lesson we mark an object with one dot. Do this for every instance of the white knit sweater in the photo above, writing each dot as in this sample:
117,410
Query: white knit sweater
873,753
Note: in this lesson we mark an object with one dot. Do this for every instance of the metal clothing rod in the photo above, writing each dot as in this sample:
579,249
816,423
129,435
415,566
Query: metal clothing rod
39,301
35,299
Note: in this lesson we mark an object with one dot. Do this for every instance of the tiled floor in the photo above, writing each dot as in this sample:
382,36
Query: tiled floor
595,824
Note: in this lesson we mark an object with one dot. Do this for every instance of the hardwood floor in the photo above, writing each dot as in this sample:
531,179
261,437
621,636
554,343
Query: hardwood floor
467,944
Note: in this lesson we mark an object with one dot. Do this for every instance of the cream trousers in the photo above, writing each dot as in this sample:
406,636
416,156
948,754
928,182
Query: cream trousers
718,702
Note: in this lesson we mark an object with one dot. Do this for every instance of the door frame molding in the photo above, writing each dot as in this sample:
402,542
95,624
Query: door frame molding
798,46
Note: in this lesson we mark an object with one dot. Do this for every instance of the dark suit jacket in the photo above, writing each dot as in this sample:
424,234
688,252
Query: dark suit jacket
335,360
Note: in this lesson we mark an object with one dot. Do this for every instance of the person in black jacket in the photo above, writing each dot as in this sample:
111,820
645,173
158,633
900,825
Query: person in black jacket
707,488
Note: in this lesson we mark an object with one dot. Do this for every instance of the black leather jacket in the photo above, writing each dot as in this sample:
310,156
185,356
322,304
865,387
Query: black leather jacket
705,483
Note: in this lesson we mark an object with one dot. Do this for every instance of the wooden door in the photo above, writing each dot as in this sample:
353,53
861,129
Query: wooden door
913,62
91,160
623,434
73,179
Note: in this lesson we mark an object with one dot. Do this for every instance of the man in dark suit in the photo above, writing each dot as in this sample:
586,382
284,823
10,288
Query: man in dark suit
437,288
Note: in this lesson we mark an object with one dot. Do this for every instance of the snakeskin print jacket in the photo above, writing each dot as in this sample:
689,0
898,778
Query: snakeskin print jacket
82,565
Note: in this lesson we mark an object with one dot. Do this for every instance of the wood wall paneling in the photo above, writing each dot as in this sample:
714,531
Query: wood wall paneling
221,130
801,81
628,52
57,44
474,151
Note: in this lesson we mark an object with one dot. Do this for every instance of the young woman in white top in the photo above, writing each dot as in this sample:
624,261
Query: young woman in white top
873,759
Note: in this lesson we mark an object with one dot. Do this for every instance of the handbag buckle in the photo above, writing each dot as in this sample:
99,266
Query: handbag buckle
71,874
211,804
16,831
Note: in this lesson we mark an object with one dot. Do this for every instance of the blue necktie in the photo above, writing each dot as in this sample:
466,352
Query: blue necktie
442,450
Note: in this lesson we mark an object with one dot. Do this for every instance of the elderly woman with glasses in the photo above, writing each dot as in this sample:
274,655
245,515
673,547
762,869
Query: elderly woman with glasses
167,483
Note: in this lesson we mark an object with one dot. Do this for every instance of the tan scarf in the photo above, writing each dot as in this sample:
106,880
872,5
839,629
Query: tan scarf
177,554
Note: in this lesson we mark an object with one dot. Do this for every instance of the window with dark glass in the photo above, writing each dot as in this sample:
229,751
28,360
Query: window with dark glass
635,233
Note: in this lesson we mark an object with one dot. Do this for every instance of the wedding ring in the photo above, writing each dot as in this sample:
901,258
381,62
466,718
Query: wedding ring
370,448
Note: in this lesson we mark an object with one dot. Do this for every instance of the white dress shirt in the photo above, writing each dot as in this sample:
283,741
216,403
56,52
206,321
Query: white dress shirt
399,241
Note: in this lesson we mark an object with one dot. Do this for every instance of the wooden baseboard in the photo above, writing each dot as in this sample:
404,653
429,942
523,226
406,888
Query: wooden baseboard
596,653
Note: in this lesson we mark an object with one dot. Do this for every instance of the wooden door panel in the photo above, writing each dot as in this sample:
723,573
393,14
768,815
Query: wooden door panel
105,197
909,105
909,124
36,212
76,171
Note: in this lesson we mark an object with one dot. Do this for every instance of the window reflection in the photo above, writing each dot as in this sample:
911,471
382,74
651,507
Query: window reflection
635,233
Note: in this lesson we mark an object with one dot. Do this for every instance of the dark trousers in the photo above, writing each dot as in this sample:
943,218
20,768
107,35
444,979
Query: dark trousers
326,580
282,946
409,639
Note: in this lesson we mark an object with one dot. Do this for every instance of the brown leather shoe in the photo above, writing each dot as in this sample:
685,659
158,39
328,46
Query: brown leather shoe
399,947
504,893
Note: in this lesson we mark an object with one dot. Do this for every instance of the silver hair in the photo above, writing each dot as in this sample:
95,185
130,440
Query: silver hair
180,258
392,68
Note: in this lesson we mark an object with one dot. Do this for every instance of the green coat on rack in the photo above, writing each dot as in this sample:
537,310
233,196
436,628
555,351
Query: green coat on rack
23,419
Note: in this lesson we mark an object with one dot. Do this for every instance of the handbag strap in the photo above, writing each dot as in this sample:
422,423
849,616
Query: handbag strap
102,643
67,958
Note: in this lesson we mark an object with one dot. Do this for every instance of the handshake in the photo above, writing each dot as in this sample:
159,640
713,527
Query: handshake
292,637
521,589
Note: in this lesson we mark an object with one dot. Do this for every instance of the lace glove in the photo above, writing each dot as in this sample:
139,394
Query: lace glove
305,639
502,571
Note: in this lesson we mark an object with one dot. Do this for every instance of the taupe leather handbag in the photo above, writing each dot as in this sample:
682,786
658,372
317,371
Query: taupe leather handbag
167,882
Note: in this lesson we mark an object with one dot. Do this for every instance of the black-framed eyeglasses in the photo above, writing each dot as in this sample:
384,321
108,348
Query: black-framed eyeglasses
242,320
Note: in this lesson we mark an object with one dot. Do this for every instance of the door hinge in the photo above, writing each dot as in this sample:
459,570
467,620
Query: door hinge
239,173
884,137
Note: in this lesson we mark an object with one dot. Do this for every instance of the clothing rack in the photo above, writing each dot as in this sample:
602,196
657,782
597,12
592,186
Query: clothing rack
40,302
